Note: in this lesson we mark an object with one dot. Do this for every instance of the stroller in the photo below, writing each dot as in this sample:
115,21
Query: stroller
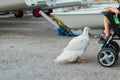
108,55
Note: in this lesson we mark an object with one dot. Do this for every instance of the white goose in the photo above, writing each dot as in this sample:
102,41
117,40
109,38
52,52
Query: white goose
75,48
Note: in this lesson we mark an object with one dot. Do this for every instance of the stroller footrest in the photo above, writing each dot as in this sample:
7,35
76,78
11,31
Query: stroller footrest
102,41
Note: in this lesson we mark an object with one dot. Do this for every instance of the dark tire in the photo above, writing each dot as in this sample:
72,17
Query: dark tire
18,14
113,45
36,12
48,11
107,57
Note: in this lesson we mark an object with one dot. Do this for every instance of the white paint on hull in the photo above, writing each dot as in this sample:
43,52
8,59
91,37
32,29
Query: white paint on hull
81,18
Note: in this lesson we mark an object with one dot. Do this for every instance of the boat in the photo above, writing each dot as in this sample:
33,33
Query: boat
91,17
11,5
77,19
18,8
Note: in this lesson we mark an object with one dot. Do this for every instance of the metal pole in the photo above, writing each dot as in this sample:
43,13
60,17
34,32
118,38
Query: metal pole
49,19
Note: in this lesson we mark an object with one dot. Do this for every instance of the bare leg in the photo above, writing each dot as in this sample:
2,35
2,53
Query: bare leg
106,26
111,9
81,60
108,9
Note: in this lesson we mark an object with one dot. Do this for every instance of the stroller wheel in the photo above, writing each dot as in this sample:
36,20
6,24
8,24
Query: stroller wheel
107,57
113,45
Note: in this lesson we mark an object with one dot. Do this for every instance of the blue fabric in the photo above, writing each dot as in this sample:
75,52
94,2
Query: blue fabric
63,29
64,32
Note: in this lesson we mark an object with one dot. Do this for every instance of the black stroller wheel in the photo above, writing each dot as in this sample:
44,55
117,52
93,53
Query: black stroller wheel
107,57
114,46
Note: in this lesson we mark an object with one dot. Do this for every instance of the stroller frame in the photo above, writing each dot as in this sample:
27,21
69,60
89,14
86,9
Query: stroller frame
108,55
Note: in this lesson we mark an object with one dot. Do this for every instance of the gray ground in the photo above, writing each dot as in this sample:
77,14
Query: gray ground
28,47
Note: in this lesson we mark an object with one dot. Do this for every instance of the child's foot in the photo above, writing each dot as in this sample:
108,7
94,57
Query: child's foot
104,36
107,36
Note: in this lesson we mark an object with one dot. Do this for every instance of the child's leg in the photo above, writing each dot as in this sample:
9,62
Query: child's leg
106,26
108,9
111,9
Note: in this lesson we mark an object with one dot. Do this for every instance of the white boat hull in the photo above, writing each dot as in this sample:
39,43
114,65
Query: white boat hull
7,5
10,5
91,17
79,19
